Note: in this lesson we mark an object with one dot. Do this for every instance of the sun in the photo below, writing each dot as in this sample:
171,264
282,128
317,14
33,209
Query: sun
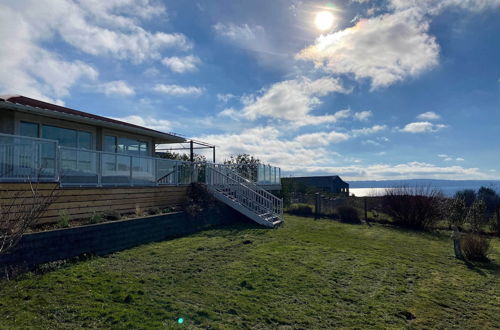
324,20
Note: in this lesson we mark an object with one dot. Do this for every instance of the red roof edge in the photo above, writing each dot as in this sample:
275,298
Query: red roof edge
23,100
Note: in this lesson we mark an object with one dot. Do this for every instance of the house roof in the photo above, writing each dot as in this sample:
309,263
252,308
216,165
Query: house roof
319,177
26,104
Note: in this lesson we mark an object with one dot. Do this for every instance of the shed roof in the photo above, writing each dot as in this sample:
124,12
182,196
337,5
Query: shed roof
26,104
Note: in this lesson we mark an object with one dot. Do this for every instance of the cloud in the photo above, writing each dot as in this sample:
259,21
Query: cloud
401,171
117,87
322,138
100,28
224,98
241,34
149,122
182,64
422,127
429,116
270,146
294,100
363,115
369,130
384,49
306,155
177,90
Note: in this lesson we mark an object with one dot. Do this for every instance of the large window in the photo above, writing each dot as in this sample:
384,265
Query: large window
68,137
125,146
29,129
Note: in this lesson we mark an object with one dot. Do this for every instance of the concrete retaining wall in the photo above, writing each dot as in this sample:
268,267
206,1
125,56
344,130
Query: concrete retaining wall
105,238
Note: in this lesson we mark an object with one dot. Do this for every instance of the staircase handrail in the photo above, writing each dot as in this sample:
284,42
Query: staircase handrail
248,183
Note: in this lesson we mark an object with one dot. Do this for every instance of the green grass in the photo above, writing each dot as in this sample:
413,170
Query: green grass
308,274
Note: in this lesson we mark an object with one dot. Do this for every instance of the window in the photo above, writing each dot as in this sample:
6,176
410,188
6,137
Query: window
125,145
29,129
68,137
110,143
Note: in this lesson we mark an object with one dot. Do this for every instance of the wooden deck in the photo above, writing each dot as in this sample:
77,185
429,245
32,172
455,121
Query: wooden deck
83,202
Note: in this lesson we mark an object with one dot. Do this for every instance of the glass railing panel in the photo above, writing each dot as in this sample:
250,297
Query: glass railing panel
79,166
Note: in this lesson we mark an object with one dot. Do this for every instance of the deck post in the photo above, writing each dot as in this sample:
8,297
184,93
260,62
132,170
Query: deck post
191,153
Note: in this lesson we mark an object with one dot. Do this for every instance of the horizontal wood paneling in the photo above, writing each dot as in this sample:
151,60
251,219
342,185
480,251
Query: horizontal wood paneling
82,202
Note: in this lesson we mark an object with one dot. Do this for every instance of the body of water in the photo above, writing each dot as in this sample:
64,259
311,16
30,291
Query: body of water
448,191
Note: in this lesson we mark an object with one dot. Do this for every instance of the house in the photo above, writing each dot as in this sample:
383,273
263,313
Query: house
100,163
332,183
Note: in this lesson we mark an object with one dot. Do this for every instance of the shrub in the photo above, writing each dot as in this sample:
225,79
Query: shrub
112,215
413,207
63,221
468,195
348,214
456,211
153,210
490,199
95,218
475,247
139,211
476,217
301,209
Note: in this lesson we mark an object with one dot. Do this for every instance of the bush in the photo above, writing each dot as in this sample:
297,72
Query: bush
112,215
413,207
475,247
63,221
456,211
476,217
490,199
468,195
153,211
301,209
348,214
95,218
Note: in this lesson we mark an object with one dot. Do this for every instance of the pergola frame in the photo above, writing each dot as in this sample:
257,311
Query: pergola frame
192,147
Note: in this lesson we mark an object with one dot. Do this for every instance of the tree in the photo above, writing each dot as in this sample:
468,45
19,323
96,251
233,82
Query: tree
21,210
184,157
468,195
246,165
490,199
456,211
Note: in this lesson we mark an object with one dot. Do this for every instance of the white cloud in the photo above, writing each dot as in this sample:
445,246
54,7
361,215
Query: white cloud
307,155
149,122
242,34
117,87
270,146
459,159
413,170
429,116
321,138
101,28
422,127
224,98
369,130
182,64
385,49
177,90
294,100
363,115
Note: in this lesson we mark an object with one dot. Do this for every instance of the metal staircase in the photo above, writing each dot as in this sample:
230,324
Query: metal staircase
244,196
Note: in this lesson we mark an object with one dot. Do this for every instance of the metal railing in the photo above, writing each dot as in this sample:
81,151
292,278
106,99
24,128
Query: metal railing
33,159
27,159
231,184
259,173
97,168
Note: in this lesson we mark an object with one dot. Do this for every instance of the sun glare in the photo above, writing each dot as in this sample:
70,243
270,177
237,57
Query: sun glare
324,20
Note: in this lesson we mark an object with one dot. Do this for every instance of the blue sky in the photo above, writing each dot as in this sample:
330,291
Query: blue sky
392,90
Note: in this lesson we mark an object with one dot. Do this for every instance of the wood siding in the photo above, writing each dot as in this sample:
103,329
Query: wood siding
83,202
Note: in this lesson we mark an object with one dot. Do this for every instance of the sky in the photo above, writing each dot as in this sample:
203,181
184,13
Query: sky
395,89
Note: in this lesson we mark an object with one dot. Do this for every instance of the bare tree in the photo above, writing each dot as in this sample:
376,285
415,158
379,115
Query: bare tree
21,210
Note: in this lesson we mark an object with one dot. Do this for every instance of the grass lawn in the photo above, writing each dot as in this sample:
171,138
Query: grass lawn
308,274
